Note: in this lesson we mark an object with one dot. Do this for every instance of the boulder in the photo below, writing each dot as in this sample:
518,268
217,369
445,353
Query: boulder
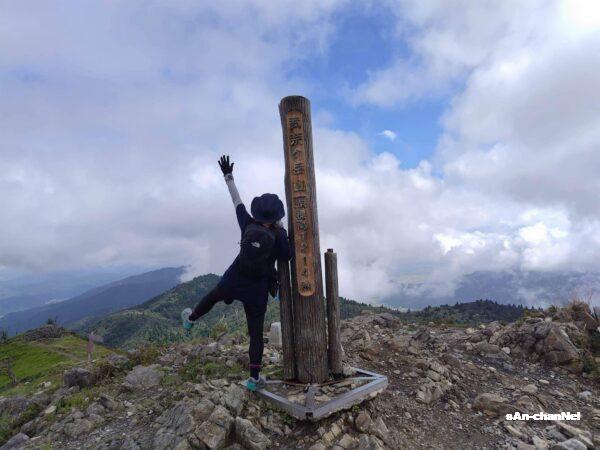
430,391
15,442
78,376
215,432
107,402
78,428
367,442
491,404
569,444
249,436
363,422
530,388
234,399
142,377
117,361
14,406
176,423
558,348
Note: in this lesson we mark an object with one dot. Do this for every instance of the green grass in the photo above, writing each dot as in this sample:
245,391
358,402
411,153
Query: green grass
9,426
38,361
210,370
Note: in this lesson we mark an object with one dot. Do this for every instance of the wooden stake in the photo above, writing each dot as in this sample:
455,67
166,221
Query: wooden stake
310,335
287,320
334,350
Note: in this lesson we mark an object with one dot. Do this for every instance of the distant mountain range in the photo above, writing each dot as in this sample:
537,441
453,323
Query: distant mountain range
158,319
147,306
20,291
528,288
96,302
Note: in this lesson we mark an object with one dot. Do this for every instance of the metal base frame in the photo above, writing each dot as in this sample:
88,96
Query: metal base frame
311,411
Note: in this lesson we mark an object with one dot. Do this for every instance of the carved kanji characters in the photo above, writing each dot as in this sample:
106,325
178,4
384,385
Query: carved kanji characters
299,186
298,168
294,123
300,202
295,139
301,214
302,226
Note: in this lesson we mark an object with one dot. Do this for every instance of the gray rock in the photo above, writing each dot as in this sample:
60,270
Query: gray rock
530,389
491,404
317,446
249,436
366,442
15,442
585,395
431,391
570,444
95,408
78,376
14,406
569,430
78,428
380,429
558,347
234,399
176,424
347,442
108,402
130,444
143,377
203,409
363,422
539,443
215,432
117,361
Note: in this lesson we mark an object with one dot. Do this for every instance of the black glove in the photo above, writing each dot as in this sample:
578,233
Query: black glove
226,168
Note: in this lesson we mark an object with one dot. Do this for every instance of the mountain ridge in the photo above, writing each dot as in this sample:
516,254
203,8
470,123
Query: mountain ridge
98,301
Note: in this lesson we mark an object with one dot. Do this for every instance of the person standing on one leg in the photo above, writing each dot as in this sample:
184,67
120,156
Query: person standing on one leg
251,276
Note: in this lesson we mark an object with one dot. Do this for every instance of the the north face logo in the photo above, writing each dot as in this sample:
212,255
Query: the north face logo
256,244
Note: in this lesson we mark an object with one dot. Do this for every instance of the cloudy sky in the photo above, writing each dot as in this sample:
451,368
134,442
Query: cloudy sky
450,136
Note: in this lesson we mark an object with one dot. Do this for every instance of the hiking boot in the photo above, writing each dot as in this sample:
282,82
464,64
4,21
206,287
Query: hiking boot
252,384
185,321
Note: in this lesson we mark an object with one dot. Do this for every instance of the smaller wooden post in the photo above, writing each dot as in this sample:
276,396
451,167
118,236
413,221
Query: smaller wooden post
6,365
334,350
287,320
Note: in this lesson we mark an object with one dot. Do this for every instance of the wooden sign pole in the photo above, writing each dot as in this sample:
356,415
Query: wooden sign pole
310,334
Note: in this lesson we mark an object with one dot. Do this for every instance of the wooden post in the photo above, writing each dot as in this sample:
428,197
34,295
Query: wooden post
334,349
287,320
310,335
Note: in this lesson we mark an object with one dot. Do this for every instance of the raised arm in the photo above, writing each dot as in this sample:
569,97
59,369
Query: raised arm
227,169
240,210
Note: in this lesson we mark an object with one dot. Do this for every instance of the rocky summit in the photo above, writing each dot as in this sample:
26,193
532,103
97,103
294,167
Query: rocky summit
449,387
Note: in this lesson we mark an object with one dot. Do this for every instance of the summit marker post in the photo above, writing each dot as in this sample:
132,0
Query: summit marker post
308,307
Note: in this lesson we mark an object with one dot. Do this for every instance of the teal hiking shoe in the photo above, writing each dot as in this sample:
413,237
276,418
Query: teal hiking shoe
185,321
252,384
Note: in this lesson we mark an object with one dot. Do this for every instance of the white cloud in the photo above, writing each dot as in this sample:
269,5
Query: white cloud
388,134
111,136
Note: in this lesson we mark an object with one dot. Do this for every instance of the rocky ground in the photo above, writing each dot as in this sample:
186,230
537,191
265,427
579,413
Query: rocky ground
448,388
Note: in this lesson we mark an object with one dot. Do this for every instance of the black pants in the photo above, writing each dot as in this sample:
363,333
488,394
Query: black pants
255,318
